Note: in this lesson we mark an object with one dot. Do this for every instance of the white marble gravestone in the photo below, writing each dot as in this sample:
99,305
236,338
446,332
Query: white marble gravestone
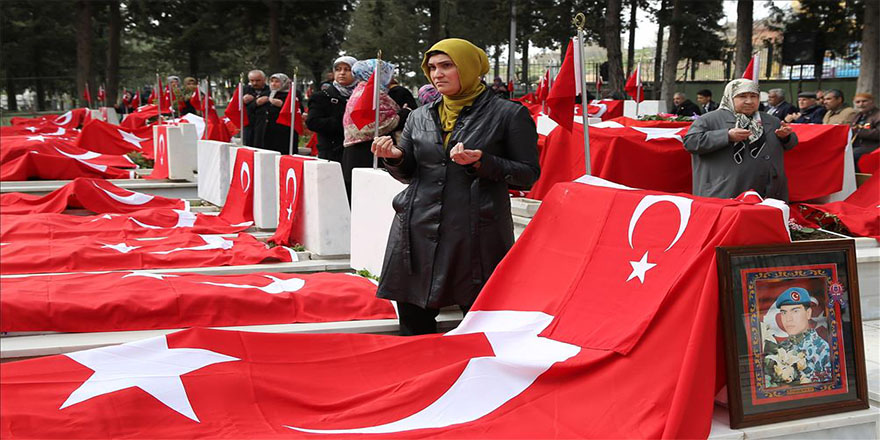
324,214
213,171
371,216
647,107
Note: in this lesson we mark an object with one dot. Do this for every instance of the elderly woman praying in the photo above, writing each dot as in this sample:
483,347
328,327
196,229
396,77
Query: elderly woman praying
737,148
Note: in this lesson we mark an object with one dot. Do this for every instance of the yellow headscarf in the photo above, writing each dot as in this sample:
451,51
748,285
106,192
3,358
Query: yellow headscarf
472,64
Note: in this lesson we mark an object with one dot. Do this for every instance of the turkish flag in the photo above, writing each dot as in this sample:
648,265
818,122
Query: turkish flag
35,165
860,212
239,205
560,101
510,86
285,114
495,376
87,95
751,71
643,155
95,195
101,94
363,111
605,109
155,222
106,138
121,301
235,110
177,249
290,193
634,87
160,163
815,166
139,118
136,99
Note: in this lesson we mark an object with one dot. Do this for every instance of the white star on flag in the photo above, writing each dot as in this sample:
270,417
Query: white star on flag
149,365
147,274
31,129
38,138
659,133
131,138
211,242
640,267
119,247
103,217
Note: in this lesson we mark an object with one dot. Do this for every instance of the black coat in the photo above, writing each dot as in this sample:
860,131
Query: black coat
325,118
782,110
453,224
278,135
686,108
257,117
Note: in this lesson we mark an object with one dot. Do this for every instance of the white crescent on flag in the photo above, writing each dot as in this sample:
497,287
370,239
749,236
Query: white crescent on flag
486,383
135,198
276,286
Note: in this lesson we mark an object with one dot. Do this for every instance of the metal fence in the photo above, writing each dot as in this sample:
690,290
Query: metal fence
716,70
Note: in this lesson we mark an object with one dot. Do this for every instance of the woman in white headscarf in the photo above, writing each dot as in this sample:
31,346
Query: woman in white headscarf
277,136
737,148
327,106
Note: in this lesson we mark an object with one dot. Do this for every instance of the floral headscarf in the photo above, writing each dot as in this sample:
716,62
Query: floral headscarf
428,94
753,122
363,69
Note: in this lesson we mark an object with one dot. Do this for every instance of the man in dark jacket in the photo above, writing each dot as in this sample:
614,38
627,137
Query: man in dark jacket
256,100
704,99
682,106
865,127
327,107
777,105
809,111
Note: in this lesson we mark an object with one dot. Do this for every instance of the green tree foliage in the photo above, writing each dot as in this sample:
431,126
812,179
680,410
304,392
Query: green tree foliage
702,39
838,22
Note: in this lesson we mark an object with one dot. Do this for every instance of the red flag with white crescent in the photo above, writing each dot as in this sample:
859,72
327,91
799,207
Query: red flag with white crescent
363,110
284,116
122,301
160,162
239,205
290,195
501,374
95,195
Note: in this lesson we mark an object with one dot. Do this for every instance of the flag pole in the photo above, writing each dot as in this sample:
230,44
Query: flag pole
241,107
205,107
579,21
88,93
638,87
376,102
159,96
293,110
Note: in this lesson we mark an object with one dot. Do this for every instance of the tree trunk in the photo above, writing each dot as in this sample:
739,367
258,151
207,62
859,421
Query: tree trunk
658,52
275,62
743,36
11,102
631,47
113,48
434,27
497,62
612,46
869,74
670,67
193,61
84,48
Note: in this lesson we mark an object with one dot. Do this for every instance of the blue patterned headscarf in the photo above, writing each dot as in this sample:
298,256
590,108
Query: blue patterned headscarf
364,68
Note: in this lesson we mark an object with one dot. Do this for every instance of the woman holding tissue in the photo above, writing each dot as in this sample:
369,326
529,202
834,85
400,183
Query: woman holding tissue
458,155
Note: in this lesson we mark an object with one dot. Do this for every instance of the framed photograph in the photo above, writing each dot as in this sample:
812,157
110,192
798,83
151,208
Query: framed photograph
793,331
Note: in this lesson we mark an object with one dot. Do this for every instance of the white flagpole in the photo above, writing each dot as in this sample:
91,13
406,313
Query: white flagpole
159,93
205,106
241,107
293,111
581,81
376,102
638,87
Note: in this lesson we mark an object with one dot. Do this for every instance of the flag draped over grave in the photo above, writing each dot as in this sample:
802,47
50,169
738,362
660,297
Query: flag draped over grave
95,195
602,322
117,301
177,249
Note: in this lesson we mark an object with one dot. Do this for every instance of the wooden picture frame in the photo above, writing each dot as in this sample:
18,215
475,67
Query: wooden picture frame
792,331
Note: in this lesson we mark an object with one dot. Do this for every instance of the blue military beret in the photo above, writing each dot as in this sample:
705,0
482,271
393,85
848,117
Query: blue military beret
793,296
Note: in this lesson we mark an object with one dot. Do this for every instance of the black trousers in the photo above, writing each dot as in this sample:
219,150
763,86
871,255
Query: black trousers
356,156
415,320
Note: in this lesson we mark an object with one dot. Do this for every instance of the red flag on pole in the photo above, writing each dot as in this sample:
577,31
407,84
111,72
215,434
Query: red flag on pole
87,95
153,94
751,71
136,99
560,101
364,110
599,85
634,85
233,110
101,94
285,115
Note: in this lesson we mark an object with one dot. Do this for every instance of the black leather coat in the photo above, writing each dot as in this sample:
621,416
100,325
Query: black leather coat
325,118
452,224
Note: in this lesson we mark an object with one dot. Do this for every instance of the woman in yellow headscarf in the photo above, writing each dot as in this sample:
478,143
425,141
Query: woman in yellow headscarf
459,155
